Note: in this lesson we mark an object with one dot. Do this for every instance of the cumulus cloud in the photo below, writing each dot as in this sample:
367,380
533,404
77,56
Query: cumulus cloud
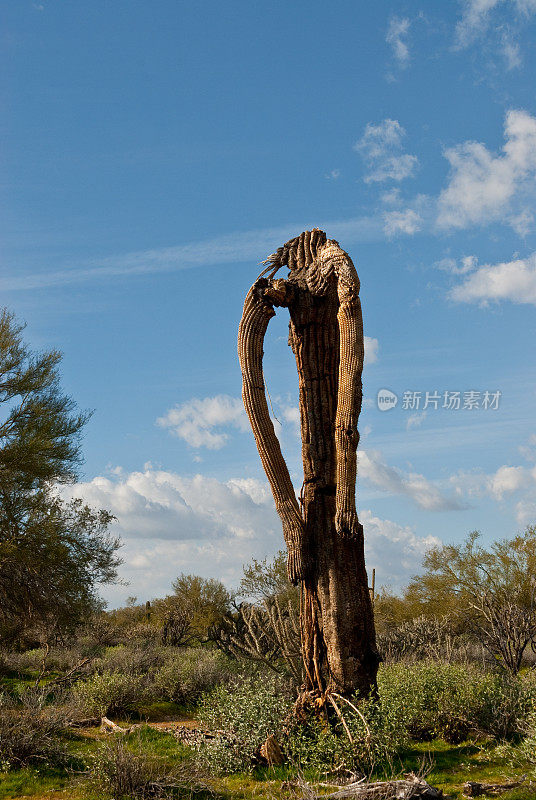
484,187
397,35
505,482
408,221
373,469
381,148
170,524
508,280
526,512
372,347
199,422
394,550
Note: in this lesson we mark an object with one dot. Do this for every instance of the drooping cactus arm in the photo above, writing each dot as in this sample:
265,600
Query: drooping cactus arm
332,263
255,318
349,398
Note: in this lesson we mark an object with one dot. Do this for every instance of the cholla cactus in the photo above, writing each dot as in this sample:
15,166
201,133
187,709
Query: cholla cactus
324,539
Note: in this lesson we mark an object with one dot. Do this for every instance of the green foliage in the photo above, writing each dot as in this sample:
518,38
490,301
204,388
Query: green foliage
187,674
110,693
40,432
51,560
196,605
493,591
263,580
416,702
52,553
452,700
244,714
132,659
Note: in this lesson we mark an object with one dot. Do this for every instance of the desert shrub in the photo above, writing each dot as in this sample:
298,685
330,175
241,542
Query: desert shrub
528,745
243,715
30,730
4,664
110,693
27,661
132,659
125,768
452,700
373,733
57,660
418,639
187,674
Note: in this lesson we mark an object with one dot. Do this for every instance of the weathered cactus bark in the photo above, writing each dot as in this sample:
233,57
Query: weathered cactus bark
325,540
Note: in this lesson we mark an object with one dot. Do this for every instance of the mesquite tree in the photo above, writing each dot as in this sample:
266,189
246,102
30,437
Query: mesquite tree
324,537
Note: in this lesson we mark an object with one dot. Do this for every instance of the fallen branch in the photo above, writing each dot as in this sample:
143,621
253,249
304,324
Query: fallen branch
107,726
88,722
474,789
409,787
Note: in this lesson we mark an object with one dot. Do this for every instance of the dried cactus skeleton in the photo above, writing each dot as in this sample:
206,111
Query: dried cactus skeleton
324,538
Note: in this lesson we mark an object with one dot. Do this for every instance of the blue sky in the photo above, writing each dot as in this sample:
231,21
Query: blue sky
154,153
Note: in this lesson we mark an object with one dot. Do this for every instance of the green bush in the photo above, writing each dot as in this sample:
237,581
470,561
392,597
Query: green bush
110,693
132,659
243,715
373,733
187,674
452,700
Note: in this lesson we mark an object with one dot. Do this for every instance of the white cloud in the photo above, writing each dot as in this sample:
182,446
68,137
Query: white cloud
484,187
333,175
509,280
236,247
474,21
395,551
392,197
467,264
526,512
199,421
171,524
425,494
372,347
396,36
381,149
511,52
505,481
162,505
528,450
408,221
476,17
522,223
508,480
416,420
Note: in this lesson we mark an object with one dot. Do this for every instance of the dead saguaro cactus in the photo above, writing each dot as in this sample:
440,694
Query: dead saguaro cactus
324,538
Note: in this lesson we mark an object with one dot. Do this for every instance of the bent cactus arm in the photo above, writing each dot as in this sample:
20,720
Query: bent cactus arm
332,262
255,318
